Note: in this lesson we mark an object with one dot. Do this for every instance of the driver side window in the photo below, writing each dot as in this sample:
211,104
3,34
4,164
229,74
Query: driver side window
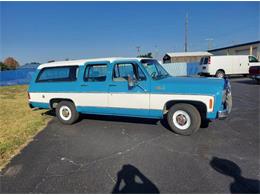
252,59
123,70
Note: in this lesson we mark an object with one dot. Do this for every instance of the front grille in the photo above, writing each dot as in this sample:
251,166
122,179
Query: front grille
228,102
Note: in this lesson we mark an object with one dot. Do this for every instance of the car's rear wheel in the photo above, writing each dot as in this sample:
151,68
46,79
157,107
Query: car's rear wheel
220,74
184,119
66,112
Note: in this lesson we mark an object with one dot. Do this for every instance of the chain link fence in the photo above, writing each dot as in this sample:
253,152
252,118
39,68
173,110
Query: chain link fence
16,77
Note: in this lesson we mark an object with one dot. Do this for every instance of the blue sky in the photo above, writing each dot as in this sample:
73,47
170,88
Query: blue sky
42,31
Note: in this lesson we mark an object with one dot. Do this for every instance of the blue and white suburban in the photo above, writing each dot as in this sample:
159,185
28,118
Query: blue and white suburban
136,87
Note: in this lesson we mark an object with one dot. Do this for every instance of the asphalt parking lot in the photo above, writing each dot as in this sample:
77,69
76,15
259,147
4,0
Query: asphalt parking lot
128,155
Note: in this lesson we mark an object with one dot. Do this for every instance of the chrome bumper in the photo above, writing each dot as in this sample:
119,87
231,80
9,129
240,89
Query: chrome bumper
255,76
228,102
223,114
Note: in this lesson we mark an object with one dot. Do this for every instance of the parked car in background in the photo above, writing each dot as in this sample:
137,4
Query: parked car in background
219,66
135,87
254,72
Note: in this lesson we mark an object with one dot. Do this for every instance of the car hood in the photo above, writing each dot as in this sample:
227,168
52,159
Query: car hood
189,85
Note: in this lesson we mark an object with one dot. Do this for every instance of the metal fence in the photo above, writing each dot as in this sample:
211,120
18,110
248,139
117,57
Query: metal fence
182,69
16,77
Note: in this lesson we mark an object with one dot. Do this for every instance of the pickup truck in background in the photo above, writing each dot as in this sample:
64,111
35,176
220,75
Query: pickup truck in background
254,72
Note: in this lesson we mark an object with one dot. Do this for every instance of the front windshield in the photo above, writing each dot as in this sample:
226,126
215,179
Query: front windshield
155,69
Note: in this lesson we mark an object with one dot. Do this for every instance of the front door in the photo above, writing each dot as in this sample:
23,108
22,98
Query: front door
126,100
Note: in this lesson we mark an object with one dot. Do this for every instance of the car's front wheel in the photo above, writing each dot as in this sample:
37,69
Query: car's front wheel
184,119
66,112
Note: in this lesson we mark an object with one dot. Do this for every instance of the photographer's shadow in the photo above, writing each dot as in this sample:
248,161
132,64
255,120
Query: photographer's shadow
240,184
131,181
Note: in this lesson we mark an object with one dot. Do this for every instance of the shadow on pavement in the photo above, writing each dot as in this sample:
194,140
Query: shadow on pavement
204,123
49,112
231,169
247,81
131,181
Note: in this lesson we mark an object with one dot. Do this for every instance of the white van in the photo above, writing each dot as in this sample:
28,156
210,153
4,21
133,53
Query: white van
220,66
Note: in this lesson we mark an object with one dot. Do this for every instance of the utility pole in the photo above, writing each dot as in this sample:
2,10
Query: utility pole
210,43
156,56
186,34
138,50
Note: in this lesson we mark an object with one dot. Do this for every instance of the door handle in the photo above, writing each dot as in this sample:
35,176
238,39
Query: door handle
83,85
112,85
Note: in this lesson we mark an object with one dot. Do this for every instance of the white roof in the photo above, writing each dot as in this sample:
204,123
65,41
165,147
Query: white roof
83,61
184,54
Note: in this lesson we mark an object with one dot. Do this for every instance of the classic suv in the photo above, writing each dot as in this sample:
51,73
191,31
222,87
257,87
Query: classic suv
134,87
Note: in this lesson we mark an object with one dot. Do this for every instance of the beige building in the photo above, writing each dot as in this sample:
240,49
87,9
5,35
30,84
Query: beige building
251,48
176,57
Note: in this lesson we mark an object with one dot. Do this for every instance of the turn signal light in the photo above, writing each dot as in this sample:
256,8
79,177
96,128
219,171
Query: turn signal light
211,104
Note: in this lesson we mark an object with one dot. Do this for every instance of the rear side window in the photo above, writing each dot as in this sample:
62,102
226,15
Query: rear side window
204,60
95,73
201,61
58,74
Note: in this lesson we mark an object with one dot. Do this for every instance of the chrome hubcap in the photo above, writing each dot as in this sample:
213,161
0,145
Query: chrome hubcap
181,119
65,112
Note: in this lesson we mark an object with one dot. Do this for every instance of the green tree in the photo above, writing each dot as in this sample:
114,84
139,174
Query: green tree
3,67
11,63
148,55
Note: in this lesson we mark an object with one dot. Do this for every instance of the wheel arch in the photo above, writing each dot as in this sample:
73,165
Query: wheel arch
54,101
220,70
199,105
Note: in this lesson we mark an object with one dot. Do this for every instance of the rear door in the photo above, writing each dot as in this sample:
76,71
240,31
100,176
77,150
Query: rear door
204,65
94,87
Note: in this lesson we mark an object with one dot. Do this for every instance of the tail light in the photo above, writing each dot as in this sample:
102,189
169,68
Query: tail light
28,95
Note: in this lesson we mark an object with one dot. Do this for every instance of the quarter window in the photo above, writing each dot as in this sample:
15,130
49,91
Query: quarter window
57,74
95,73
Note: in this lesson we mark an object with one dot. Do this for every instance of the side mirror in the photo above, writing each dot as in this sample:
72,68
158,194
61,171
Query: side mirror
131,82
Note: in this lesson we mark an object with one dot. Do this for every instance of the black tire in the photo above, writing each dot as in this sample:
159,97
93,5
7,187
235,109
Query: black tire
220,74
194,118
70,107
